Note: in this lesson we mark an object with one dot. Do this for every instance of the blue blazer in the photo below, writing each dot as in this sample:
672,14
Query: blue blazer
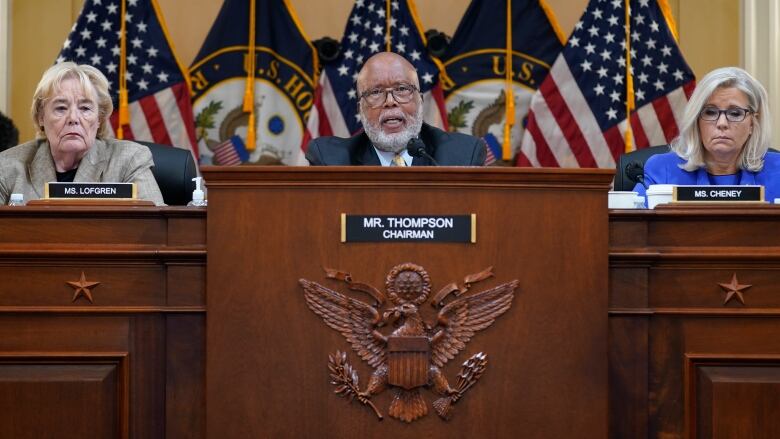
665,169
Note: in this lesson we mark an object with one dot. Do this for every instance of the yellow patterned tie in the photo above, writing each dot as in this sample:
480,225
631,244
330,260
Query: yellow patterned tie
398,160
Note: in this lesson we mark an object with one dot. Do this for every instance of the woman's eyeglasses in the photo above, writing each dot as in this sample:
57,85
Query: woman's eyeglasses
733,114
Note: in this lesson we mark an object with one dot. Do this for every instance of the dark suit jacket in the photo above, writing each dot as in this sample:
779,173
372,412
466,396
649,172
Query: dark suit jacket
449,149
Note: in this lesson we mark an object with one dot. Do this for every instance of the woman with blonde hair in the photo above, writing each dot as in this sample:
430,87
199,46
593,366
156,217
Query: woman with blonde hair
70,110
724,137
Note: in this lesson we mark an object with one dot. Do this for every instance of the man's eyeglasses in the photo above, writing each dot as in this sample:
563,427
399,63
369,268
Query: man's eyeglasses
733,114
402,93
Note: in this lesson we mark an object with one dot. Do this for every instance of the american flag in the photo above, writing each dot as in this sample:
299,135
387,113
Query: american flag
578,115
231,152
158,94
335,108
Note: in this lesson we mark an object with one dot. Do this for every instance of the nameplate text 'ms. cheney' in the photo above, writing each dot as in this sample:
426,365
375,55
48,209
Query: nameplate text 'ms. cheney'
714,193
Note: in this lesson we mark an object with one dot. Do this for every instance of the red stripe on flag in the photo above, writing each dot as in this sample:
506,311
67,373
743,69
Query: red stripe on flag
325,128
225,154
154,120
666,118
522,160
184,103
615,142
688,88
640,137
490,158
568,124
127,133
543,153
306,139
438,97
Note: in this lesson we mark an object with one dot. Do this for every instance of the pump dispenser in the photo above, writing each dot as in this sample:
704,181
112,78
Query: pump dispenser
198,198
16,200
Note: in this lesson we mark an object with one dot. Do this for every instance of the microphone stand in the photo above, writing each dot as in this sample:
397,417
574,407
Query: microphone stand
416,148
636,173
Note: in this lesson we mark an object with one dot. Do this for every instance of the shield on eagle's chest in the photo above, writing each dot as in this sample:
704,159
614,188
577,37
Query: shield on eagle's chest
408,360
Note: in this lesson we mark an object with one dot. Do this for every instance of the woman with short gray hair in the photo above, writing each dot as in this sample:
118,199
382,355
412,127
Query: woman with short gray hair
70,110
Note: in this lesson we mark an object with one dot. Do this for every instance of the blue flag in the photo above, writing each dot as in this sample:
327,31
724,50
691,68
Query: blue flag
475,84
281,83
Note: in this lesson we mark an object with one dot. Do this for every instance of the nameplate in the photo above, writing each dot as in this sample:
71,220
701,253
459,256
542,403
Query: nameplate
711,194
409,228
90,190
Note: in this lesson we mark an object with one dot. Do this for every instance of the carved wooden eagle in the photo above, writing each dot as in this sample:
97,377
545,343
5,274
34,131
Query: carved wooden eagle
413,354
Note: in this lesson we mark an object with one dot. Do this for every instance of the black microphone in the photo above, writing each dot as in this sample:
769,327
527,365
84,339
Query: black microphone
636,173
416,148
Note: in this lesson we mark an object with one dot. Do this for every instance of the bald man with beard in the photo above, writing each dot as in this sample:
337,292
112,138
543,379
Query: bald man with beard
391,111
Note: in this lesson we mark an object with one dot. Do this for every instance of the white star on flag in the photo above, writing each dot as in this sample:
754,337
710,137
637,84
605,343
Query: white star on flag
160,111
581,114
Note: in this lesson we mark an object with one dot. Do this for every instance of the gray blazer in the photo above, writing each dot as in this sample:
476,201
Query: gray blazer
26,168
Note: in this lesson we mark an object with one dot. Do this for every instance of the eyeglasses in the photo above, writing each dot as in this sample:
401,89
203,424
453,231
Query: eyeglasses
733,114
402,93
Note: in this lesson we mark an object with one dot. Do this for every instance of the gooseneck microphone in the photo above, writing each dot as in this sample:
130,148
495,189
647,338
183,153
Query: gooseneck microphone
416,148
636,173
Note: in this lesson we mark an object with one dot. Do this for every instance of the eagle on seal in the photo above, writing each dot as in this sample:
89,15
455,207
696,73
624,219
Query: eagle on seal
414,353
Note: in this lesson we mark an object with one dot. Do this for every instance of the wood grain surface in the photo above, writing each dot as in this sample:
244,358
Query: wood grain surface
267,352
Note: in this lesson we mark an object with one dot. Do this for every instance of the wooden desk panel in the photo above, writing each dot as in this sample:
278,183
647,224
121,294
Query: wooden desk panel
267,358
683,361
42,390
128,364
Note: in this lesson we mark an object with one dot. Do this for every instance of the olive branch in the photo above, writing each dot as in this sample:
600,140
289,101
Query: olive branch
205,119
345,378
456,118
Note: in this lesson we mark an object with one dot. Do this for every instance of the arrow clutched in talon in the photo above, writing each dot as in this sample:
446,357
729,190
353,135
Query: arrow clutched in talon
472,370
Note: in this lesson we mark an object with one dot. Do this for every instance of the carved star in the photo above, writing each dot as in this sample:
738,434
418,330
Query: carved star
82,288
734,289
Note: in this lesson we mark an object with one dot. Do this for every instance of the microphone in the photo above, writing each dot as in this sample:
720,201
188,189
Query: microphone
416,148
636,173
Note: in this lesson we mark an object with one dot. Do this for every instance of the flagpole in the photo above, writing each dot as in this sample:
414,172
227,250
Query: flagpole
124,111
388,45
436,61
249,92
629,82
506,149
670,23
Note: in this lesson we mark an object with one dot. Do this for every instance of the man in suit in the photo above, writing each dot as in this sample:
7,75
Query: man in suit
391,111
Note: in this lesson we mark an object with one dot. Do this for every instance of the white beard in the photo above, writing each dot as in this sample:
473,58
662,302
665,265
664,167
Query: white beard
394,142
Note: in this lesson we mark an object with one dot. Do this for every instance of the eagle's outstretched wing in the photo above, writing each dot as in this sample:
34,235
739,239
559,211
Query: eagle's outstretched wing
461,318
354,319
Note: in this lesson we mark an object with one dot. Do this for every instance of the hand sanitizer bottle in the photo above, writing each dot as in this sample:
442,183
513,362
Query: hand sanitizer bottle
198,199
16,200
